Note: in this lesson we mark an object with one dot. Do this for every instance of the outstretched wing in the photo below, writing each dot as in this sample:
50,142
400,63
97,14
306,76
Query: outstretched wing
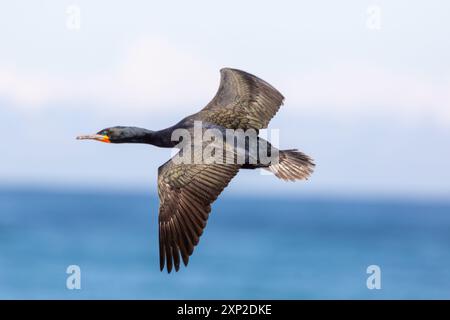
186,192
243,101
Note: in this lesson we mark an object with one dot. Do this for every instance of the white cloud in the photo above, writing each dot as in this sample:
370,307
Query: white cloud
355,89
156,75
25,89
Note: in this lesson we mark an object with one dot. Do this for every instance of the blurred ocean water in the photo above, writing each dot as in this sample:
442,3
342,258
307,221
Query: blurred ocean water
254,248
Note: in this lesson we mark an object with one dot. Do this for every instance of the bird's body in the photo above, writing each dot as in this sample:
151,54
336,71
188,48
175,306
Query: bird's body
188,188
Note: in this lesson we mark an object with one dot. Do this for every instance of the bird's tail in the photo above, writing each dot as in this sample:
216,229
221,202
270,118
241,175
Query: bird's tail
292,165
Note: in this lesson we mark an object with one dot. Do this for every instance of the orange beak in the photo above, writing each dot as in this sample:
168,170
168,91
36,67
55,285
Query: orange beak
98,137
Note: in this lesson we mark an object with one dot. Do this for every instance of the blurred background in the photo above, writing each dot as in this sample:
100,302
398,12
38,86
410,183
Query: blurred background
367,87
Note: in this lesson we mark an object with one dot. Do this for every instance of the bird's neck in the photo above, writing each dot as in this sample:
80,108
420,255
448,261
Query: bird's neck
161,138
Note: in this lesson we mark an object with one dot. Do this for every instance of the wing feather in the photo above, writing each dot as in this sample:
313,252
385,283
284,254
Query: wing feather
243,101
186,192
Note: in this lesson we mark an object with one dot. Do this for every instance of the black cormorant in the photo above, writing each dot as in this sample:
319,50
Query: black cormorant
187,190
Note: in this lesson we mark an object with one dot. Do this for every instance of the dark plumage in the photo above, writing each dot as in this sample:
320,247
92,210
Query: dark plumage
186,191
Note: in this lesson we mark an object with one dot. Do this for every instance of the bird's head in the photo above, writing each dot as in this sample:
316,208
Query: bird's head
114,135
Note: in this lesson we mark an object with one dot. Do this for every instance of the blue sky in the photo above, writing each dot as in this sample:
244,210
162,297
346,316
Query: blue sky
371,106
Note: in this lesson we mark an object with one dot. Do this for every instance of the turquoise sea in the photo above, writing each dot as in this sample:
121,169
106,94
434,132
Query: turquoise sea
253,248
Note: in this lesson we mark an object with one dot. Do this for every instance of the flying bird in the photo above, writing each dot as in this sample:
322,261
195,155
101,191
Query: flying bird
187,190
